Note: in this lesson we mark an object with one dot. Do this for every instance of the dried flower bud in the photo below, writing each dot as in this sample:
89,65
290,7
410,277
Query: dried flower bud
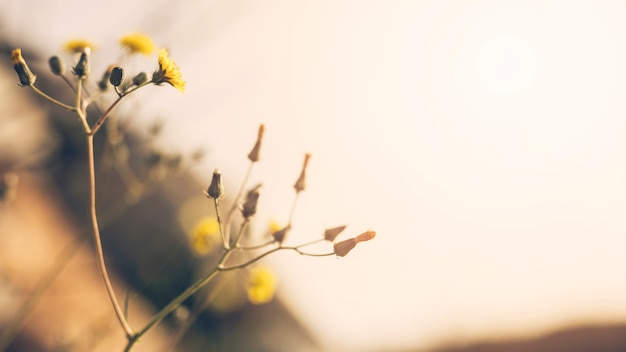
216,189
256,150
57,66
140,78
82,66
344,247
331,234
104,82
249,206
117,76
301,182
279,236
366,236
27,78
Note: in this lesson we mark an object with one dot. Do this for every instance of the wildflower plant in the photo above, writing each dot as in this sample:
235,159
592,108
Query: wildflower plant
225,237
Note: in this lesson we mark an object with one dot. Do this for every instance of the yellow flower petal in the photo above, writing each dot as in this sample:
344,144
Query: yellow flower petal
261,285
205,236
78,45
137,43
168,72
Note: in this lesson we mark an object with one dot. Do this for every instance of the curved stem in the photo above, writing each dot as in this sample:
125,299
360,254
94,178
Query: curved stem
219,222
236,201
51,99
96,233
176,302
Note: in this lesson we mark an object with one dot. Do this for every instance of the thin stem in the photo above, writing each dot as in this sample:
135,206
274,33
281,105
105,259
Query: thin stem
249,248
293,207
51,275
106,114
176,302
264,254
241,230
96,233
219,222
229,215
51,99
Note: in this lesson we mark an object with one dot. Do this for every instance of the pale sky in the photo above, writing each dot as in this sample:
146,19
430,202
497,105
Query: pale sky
482,140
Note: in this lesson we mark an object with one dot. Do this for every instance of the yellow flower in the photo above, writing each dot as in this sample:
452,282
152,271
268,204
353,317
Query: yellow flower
205,236
261,285
137,43
78,45
168,72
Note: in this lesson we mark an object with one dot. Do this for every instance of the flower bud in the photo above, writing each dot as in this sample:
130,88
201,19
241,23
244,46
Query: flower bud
366,236
57,66
103,84
82,66
256,150
216,189
279,236
331,234
344,247
252,199
140,79
117,76
24,73
301,182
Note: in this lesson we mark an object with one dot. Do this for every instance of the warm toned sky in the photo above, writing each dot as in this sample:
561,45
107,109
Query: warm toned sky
482,140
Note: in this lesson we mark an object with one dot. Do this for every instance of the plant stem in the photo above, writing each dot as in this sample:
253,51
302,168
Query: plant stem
96,233
175,303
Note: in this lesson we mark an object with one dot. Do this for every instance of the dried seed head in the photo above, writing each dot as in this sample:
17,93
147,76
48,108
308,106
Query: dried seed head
24,73
252,199
331,234
279,236
366,236
256,150
344,247
82,66
216,188
300,184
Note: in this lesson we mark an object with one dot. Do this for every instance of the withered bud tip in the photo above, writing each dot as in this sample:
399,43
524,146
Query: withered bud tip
300,184
216,188
331,234
256,150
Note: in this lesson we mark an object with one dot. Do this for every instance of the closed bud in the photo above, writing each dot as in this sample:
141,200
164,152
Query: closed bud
140,79
103,84
216,189
24,73
344,247
57,66
279,236
300,184
366,236
256,150
82,66
117,76
252,199
331,234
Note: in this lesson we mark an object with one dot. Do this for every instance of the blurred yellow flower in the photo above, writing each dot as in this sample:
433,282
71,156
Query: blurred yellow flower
78,45
261,285
275,226
168,72
205,236
137,43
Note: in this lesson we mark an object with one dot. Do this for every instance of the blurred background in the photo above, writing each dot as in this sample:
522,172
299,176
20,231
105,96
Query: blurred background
482,140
